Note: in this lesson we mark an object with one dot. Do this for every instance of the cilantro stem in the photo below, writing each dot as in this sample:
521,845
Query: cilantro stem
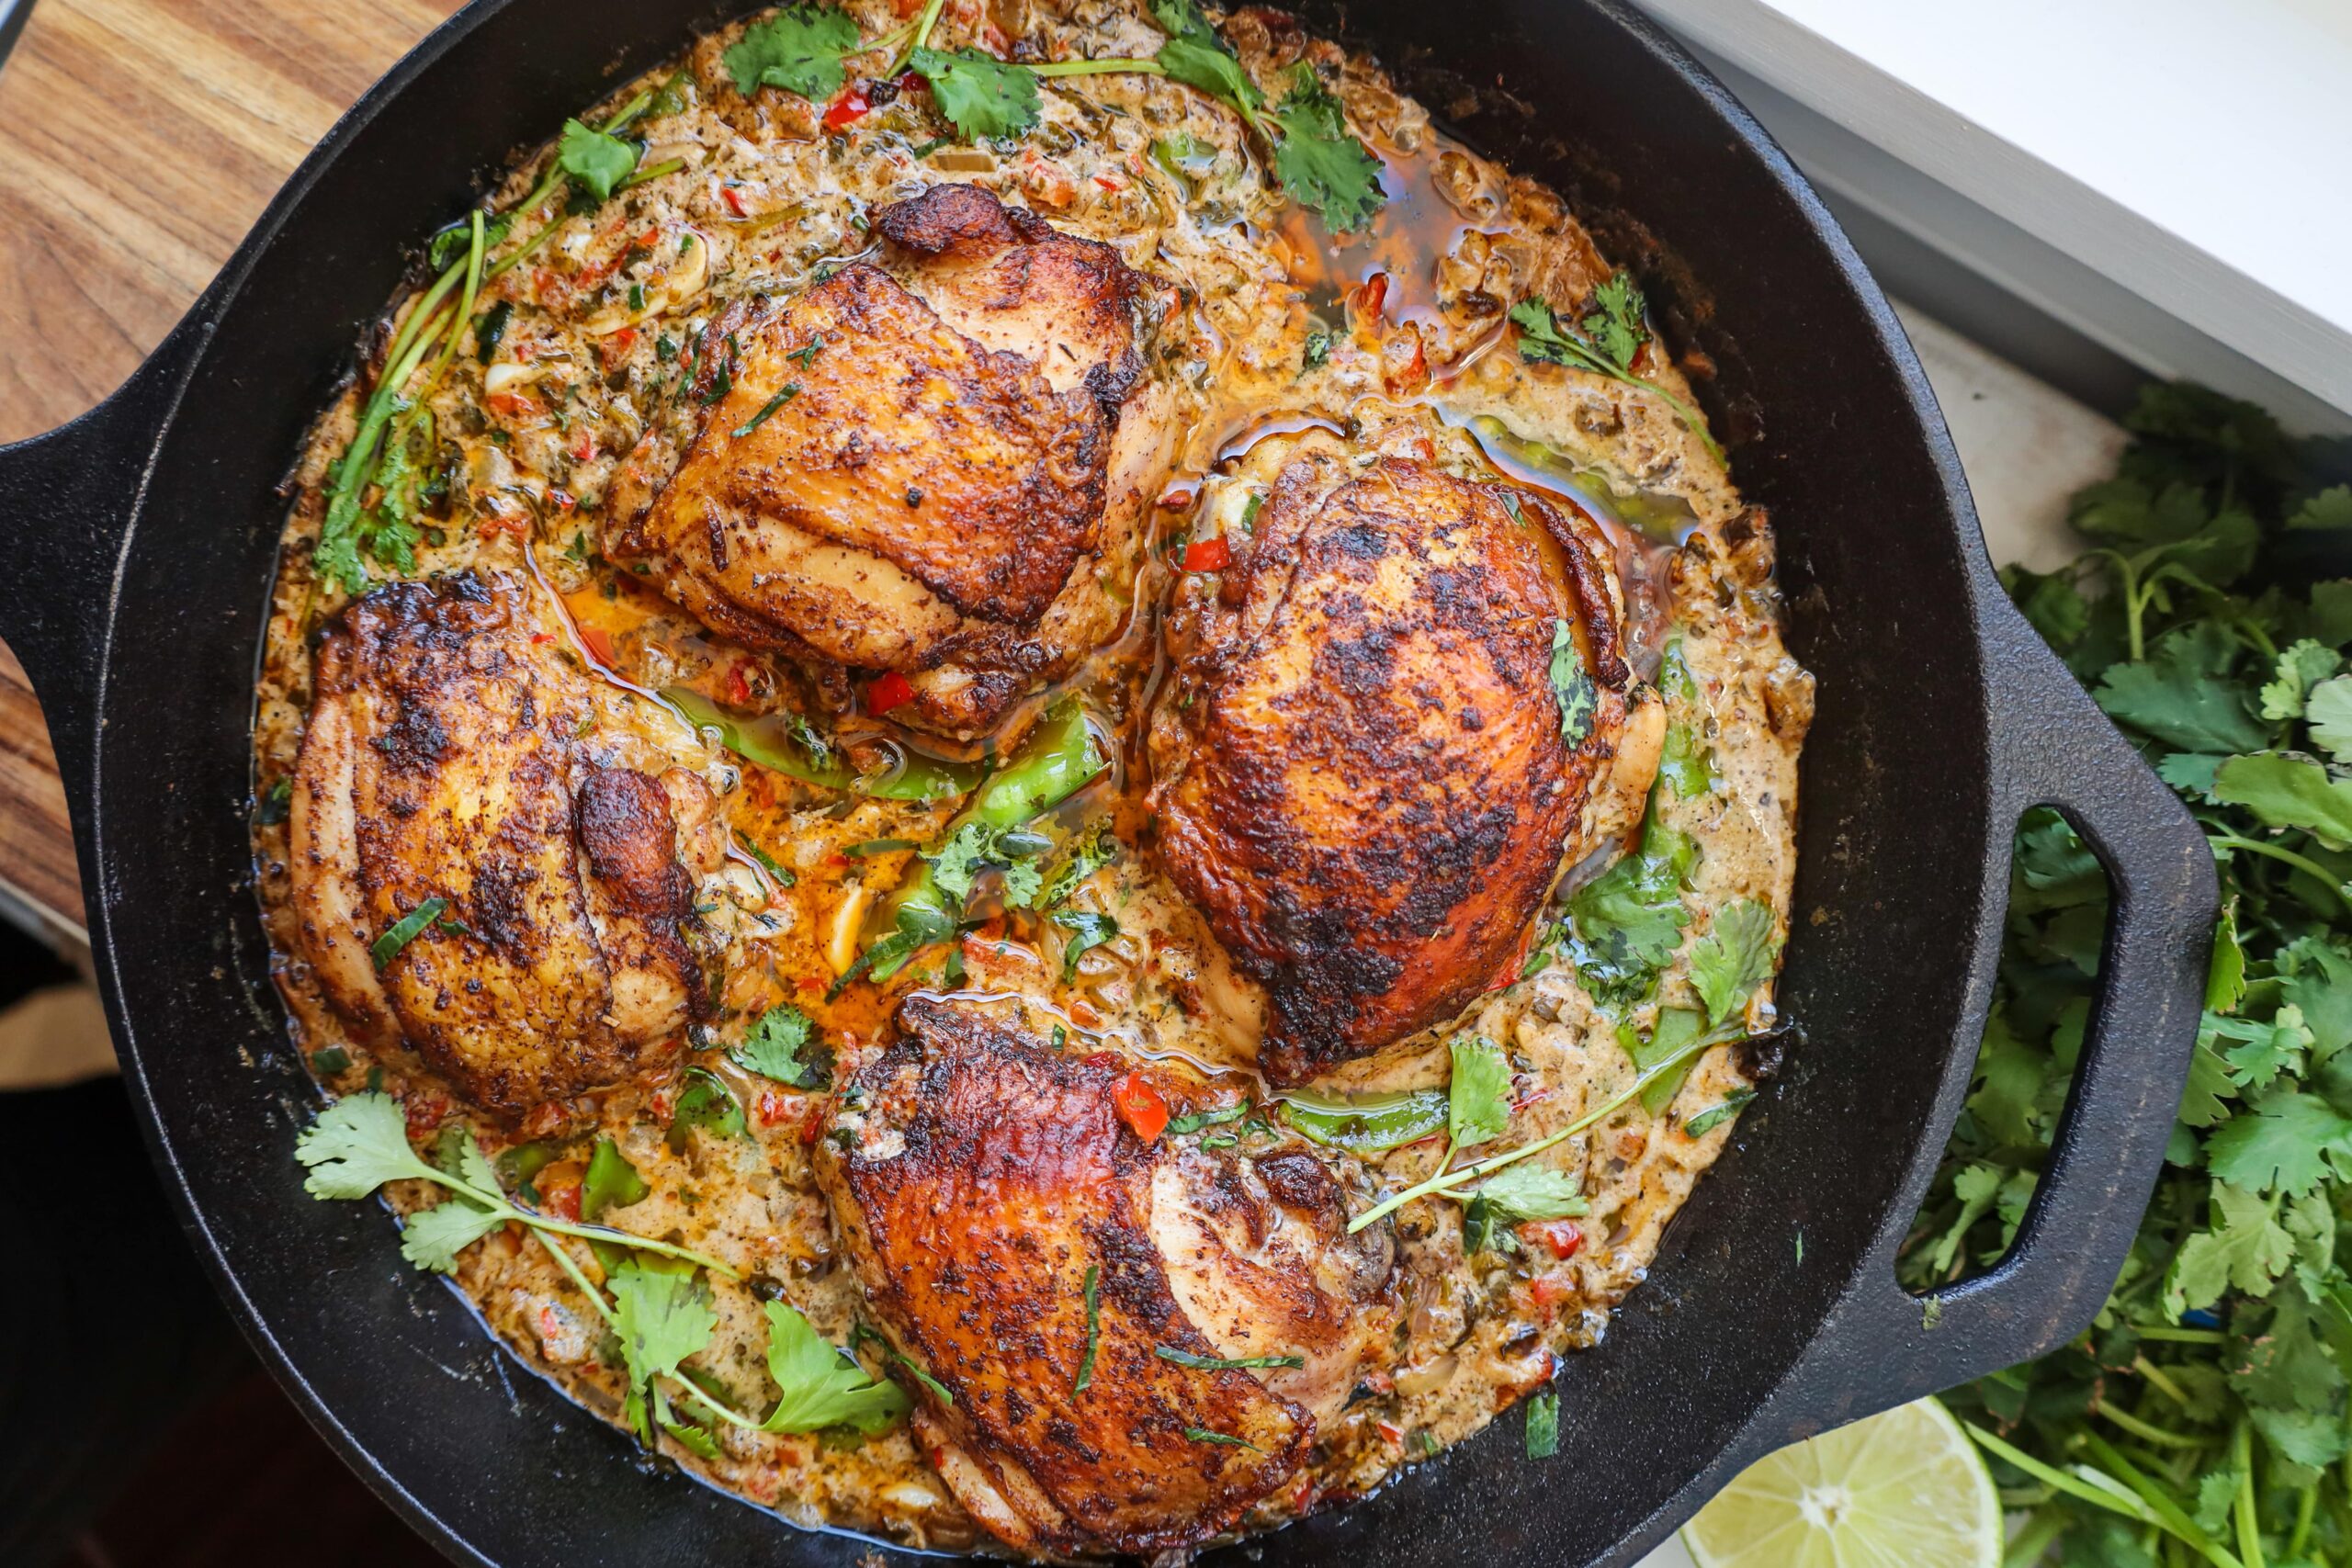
537,1221
2249,1524
2147,1431
1444,1181
2033,1543
2161,1503
921,36
2288,857
651,172
2050,1475
2180,1335
1098,68
563,1260
733,1417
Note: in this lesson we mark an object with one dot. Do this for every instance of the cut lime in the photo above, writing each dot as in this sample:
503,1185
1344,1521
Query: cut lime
1905,1489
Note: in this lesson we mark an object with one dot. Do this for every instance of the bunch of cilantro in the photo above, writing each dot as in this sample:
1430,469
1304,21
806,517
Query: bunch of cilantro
2203,1418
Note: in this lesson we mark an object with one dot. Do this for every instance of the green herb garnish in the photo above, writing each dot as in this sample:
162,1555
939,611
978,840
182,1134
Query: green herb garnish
1202,1434
597,159
1223,1363
405,929
1613,332
773,1049
800,48
791,391
1093,1329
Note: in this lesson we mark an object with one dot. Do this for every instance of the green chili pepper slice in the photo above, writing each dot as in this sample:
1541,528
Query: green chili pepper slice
1372,1123
767,742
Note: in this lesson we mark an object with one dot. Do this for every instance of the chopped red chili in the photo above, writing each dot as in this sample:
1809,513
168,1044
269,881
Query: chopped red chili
1208,555
888,690
1563,1237
1139,1105
851,105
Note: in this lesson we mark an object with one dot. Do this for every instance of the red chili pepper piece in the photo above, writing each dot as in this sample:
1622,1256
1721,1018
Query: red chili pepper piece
1563,1237
1139,1105
1208,555
563,1202
599,646
888,690
851,105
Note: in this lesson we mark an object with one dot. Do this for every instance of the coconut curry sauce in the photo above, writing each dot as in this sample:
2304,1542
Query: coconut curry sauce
657,832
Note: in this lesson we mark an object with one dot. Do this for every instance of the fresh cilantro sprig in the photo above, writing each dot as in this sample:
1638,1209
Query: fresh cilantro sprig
659,1311
2213,1395
1604,342
360,1142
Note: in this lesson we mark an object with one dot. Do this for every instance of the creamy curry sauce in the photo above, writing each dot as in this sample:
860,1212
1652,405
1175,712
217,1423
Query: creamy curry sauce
1269,324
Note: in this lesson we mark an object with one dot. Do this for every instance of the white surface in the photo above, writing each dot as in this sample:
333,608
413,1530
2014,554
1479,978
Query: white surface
2190,151
2026,448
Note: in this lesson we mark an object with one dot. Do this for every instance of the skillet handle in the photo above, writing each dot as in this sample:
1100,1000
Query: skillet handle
66,504
1884,1346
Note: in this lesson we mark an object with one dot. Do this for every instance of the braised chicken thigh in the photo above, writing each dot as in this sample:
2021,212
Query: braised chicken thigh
1080,1291
1386,721
440,763
932,462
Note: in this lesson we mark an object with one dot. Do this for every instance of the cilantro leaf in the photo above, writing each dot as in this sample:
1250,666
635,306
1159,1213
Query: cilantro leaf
1628,922
1529,1192
958,865
2283,1144
598,160
981,97
1093,848
356,1145
799,49
1478,1099
1322,166
2244,1249
2302,666
1615,324
2288,791
2330,508
611,1182
2183,696
432,1239
1675,1027
661,1318
2328,710
1734,957
818,1386
1578,698
1202,63
773,1049
1184,19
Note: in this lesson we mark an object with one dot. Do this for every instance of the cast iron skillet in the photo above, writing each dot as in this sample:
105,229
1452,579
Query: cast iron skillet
142,540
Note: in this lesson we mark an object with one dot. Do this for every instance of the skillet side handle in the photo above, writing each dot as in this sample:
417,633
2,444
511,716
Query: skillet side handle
66,504
2052,747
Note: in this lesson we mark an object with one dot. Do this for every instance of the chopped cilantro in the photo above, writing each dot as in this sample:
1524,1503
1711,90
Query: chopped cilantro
1320,165
1087,931
405,929
1223,1363
1578,698
1093,1294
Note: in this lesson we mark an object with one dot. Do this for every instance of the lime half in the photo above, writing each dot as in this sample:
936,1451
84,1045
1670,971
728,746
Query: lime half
1905,1489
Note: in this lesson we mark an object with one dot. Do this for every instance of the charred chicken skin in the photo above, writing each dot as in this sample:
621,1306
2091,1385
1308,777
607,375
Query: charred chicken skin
982,1180
440,763
1366,773
932,462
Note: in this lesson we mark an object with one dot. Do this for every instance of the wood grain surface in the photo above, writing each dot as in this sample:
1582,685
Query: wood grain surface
139,139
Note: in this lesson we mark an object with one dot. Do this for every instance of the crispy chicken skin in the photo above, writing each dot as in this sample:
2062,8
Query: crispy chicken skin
1359,772
955,466
980,1175
439,763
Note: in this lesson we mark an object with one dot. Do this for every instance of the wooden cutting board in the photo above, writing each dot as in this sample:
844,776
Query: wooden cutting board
139,139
